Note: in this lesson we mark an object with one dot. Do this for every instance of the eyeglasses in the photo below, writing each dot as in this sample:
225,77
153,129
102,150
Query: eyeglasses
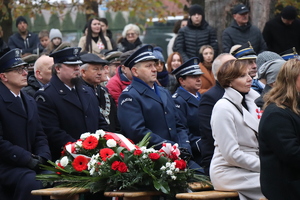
18,69
130,34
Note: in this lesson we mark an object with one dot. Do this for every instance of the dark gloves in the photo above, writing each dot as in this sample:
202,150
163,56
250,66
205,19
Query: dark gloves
185,154
35,161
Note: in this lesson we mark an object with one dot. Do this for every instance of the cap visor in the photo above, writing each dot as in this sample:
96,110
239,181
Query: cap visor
73,62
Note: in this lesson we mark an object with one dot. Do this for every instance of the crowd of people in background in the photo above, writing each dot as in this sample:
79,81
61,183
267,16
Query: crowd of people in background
234,112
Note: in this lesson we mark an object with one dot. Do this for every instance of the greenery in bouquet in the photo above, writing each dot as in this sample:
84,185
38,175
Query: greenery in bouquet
104,161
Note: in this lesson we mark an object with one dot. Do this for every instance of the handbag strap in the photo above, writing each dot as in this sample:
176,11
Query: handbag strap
255,132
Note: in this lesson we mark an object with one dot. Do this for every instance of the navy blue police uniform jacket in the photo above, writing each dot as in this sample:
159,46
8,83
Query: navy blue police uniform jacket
207,102
66,116
188,109
142,110
21,135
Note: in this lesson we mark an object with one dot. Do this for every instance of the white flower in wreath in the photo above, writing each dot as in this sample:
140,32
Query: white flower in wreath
169,172
173,177
78,144
96,136
64,161
85,135
111,143
100,132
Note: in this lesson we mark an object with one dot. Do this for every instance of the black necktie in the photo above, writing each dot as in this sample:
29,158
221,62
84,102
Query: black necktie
21,102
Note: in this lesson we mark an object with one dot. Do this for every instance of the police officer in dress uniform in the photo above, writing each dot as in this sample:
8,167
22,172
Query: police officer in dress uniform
23,143
187,100
66,107
146,107
93,72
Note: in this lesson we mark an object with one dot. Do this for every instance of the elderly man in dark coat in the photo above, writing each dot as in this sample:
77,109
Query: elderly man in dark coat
144,107
23,143
66,107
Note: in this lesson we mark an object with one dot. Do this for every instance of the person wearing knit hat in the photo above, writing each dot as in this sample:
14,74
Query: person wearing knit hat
266,56
23,39
268,71
162,73
55,41
196,34
282,32
241,31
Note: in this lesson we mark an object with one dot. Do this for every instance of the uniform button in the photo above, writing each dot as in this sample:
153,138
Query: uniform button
170,129
86,116
166,113
14,156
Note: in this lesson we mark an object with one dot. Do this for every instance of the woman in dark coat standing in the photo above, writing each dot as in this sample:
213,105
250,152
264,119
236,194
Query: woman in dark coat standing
279,136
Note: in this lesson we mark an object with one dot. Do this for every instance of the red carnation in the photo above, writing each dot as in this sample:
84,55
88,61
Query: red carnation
154,156
107,137
58,164
80,163
180,164
137,152
106,153
120,166
90,142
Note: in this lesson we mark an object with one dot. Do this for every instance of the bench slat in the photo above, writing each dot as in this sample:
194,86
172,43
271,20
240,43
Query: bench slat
59,191
207,195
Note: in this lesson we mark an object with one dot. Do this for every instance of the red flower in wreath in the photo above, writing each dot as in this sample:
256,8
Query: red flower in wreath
180,164
137,152
58,164
106,153
120,166
107,137
80,163
90,142
154,156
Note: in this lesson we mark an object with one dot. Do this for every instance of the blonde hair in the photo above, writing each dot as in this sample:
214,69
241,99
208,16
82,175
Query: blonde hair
284,93
205,47
133,27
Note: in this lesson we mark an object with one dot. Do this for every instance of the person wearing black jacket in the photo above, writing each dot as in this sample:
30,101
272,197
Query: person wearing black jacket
197,33
23,39
283,32
241,31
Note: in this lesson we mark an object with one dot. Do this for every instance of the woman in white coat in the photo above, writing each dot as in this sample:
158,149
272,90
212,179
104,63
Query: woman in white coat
235,165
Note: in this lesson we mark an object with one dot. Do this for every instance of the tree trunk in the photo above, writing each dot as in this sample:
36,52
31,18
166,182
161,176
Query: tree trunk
6,23
218,14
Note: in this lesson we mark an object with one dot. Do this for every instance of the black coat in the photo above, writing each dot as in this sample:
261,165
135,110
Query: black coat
207,102
190,39
64,116
21,135
235,34
33,86
280,37
279,146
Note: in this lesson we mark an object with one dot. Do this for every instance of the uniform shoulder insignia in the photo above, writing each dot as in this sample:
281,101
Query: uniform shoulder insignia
126,100
175,95
127,88
44,87
40,97
177,105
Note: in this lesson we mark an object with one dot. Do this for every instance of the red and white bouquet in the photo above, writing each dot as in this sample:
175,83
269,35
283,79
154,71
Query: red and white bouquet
104,161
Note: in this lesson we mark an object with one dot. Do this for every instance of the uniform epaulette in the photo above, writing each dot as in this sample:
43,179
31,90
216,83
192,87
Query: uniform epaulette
127,88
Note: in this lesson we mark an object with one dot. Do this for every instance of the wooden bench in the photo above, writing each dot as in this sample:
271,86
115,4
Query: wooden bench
67,193
196,186
133,195
207,195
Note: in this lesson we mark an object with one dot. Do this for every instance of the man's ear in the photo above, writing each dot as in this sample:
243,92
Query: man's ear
181,80
3,77
134,71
